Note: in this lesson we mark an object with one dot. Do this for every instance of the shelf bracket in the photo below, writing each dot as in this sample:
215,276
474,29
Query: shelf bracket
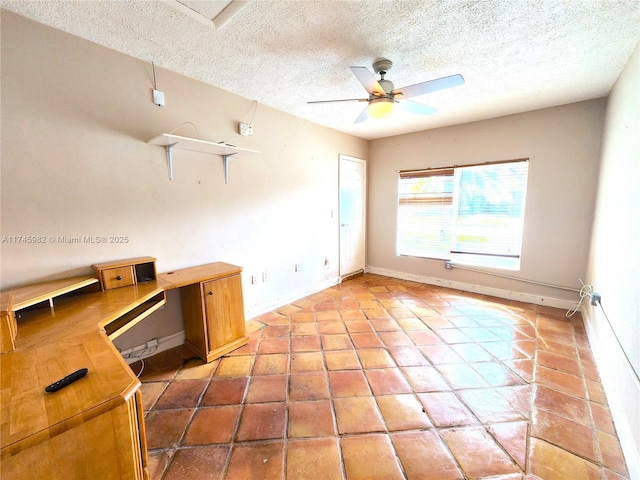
225,160
169,150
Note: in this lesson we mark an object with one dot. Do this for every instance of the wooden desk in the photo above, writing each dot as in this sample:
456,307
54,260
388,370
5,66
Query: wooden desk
93,428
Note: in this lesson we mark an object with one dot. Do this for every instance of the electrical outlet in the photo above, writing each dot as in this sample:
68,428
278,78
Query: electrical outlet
254,279
152,343
298,267
265,276
158,97
245,129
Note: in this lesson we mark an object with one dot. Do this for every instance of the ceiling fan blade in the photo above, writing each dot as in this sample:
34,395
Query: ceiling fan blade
368,81
429,86
415,107
343,100
363,116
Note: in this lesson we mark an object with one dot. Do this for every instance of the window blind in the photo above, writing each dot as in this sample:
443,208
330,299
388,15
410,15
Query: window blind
473,210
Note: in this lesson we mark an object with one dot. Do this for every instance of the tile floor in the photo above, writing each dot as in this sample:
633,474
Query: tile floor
379,378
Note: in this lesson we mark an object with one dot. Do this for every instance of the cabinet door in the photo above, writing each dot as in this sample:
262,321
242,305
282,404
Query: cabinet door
224,310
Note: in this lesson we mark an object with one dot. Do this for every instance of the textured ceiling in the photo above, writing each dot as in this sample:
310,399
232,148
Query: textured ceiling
515,55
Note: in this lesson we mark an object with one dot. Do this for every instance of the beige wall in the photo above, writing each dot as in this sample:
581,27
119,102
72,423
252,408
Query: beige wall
614,263
563,145
75,121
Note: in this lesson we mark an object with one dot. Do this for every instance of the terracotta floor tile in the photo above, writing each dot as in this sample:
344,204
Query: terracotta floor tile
365,340
521,367
352,314
234,366
274,364
261,421
357,415
561,381
342,360
375,358
562,432
303,317
602,418
385,381
358,326
314,459
302,362
612,456
561,404
305,343
386,378
212,425
424,456
497,374
559,362
304,329
336,342
425,379
196,369
402,412
183,394
503,350
158,462
225,391
206,463
424,338
165,427
489,406
308,386
370,457
441,354
332,327
407,356
327,312
257,461
151,391
547,461
461,375
267,388
513,438
348,383
382,325
274,345
477,453
445,410
310,419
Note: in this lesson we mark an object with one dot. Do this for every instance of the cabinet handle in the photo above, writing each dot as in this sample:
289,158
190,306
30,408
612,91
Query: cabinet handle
119,277
211,293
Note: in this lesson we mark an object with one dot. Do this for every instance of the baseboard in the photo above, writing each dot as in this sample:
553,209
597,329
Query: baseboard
259,309
468,287
164,343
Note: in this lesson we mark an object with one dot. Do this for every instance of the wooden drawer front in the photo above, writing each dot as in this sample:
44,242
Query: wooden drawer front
117,277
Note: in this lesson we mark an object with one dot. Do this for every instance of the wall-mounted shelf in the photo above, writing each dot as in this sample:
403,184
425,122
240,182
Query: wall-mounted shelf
169,142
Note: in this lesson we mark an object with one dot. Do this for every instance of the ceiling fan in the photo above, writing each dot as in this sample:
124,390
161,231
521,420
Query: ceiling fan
383,96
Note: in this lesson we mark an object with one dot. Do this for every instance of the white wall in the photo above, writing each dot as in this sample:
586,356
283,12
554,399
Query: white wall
614,262
563,145
75,121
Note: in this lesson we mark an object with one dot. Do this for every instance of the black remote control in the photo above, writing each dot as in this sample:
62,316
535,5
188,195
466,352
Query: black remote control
68,380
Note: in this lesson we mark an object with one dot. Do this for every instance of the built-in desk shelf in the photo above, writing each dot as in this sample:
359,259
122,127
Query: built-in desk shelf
170,142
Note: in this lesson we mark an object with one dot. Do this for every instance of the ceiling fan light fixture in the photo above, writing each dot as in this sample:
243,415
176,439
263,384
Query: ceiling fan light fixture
380,107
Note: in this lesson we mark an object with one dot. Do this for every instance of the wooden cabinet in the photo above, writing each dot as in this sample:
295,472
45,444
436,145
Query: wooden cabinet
123,273
212,308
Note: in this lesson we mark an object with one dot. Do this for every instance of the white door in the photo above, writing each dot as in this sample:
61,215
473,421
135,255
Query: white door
353,196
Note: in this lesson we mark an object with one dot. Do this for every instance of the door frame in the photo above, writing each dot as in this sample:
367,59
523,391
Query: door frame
349,158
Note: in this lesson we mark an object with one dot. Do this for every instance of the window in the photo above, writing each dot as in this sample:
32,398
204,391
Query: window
470,215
